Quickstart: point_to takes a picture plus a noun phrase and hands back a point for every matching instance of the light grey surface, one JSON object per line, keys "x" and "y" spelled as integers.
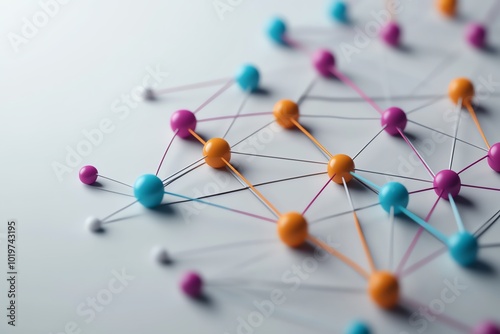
{"x": 67, "y": 78}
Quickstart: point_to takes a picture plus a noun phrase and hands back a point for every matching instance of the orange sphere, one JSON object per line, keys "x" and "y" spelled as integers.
{"x": 341, "y": 166}
{"x": 461, "y": 88}
{"x": 383, "y": 288}
{"x": 214, "y": 150}
{"x": 292, "y": 229}
{"x": 447, "y": 7}
{"x": 284, "y": 111}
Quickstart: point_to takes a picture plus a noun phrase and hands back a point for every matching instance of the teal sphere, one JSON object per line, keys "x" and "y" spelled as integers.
{"x": 276, "y": 30}
{"x": 357, "y": 327}
{"x": 149, "y": 191}
{"x": 393, "y": 194}
{"x": 338, "y": 11}
{"x": 463, "y": 248}
{"x": 248, "y": 78}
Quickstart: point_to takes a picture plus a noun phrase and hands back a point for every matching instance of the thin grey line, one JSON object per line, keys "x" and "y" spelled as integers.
{"x": 340, "y": 117}
{"x": 118, "y": 211}
{"x": 240, "y": 108}
{"x": 114, "y": 192}
{"x": 307, "y": 91}
{"x": 425, "y": 105}
{"x": 280, "y": 158}
{"x": 391, "y": 240}
{"x": 371, "y": 140}
{"x": 342, "y": 213}
{"x": 482, "y": 229}
{"x": 250, "y": 135}
{"x": 246, "y": 187}
{"x": 108, "y": 178}
{"x": 395, "y": 175}
{"x": 183, "y": 169}
{"x": 447, "y": 135}
{"x": 459, "y": 107}
{"x": 181, "y": 175}
{"x": 436, "y": 70}
{"x": 376, "y": 98}
{"x": 257, "y": 196}
{"x": 213, "y": 248}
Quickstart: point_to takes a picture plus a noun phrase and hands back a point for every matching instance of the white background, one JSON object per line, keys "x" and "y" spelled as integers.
{"x": 66, "y": 78}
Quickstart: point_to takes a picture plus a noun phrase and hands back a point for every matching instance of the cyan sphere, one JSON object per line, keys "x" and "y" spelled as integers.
{"x": 463, "y": 248}
{"x": 357, "y": 327}
{"x": 248, "y": 77}
{"x": 149, "y": 191}
{"x": 338, "y": 11}
{"x": 393, "y": 194}
{"x": 276, "y": 30}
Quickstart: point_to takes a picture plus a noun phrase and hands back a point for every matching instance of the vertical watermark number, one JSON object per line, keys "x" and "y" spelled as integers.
{"x": 11, "y": 272}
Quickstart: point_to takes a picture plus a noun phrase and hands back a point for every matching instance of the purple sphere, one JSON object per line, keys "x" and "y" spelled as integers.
{"x": 324, "y": 61}
{"x": 487, "y": 327}
{"x": 475, "y": 34}
{"x": 393, "y": 119}
{"x": 192, "y": 284}
{"x": 182, "y": 121}
{"x": 88, "y": 174}
{"x": 447, "y": 182}
{"x": 391, "y": 33}
{"x": 494, "y": 157}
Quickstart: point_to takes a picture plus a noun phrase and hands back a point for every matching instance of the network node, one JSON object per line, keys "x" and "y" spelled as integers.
{"x": 447, "y": 7}
{"x": 357, "y": 327}
{"x": 192, "y": 284}
{"x": 149, "y": 94}
{"x": 475, "y": 34}
{"x": 463, "y": 248}
{"x": 461, "y": 89}
{"x": 93, "y": 224}
{"x": 215, "y": 150}
{"x": 324, "y": 62}
{"x": 383, "y": 288}
{"x": 494, "y": 157}
{"x": 284, "y": 111}
{"x": 393, "y": 119}
{"x": 88, "y": 174}
{"x": 338, "y": 11}
{"x": 277, "y": 30}
{"x": 341, "y": 166}
{"x": 391, "y": 33}
{"x": 149, "y": 190}
{"x": 292, "y": 229}
{"x": 248, "y": 77}
{"x": 393, "y": 195}
{"x": 487, "y": 327}
{"x": 182, "y": 121}
{"x": 160, "y": 255}
{"x": 447, "y": 182}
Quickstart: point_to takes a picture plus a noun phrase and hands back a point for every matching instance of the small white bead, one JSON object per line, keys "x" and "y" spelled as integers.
{"x": 160, "y": 254}
{"x": 149, "y": 94}
{"x": 93, "y": 224}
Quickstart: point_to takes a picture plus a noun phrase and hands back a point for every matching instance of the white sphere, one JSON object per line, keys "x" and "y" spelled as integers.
{"x": 149, "y": 94}
{"x": 93, "y": 224}
{"x": 160, "y": 254}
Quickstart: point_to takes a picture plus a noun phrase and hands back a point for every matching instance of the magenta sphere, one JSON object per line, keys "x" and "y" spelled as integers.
{"x": 475, "y": 34}
{"x": 192, "y": 284}
{"x": 487, "y": 327}
{"x": 494, "y": 157}
{"x": 324, "y": 61}
{"x": 182, "y": 121}
{"x": 88, "y": 174}
{"x": 447, "y": 182}
{"x": 393, "y": 119}
{"x": 391, "y": 33}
